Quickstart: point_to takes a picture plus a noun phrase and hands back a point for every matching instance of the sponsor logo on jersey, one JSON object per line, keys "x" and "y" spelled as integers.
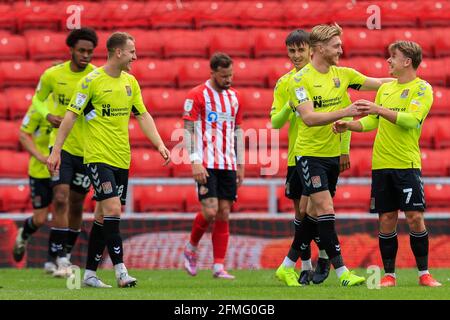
{"x": 188, "y": 105}
{"x": 404, "y": 93}
{"x": 337, "y": 82}
{"x": 212, "y": 116}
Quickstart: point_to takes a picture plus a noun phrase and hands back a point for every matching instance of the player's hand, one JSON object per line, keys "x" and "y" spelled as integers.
{"x": 199, "y": 173}
{"x": 344, "y": 162}
{"x": 53, "y": 163}
{"x": 367, "y": 107}
{"x": 356, "y": 109}
{"x": 240, "y": 175}
{"x": 165, "y": 153}
{"x": 42, "y": 159}
{"x": 340, "y": 126}
{"x": 55, "y": 121}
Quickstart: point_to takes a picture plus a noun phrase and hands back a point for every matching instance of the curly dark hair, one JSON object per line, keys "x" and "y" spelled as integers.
{"x": 81, "y": 34}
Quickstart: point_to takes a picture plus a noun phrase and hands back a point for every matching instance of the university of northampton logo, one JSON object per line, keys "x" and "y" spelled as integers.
{"x": 337, "y": 82}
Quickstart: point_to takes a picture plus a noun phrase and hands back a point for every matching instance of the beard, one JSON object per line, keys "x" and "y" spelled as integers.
{"x": 221, "y": 87}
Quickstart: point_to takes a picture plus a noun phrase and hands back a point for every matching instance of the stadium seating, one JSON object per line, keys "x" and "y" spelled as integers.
{"x": 270, "y": 43}
{"x": 261, "y": 14}
{"x": 185, "y": 43}
{"x": 15, "y": 198}
{"x": 441, "y": 102}
{"x": 155, "y": 73}
{"x": 158, "y": 198}
{"x": 164, "y": 101}
{"x": 433, "y": 164}
{"x": 170, "y": 127}
{"x": 12, "y": 47}
{"x": 13, "y": 164}
{"x": 256, "y": 101}
{"x": 19, "y": 100}
{"x": 251, "y": 199}
{"x": 437, "y": 195}
{"x": 361, "y": 41}
{"x": 47, "y": 45}
{"x": 236, "y": 43}
{"x": 137, "y": 137}
{"x": 9, "y": 139}
{"x": 361, "y": 161}
{"x": 349, "y": 197}
{"x": 4, "y": 108}
{"x": 441, "y": 133}
{"x": 249, "y": 72}
{"x": 147, "y": 163}
{"x": 191, "y": 72}
{"x": 306, "y": 13}
{"x": 20, "y": 73}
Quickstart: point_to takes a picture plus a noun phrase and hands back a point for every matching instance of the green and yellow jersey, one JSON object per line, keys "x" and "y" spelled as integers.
{"x": 106, "y": 104}
{"x": 35, "y": 124}
{"x": 280, "y": 102}
{"x": 328, "y": 93}
{"x": 61, "y": 81}
{"x": 396, "y": 147}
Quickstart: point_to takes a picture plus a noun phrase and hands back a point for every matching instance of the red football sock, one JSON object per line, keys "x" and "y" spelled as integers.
{"x": 198, "y": 228}
{"x": 220, "y": 236}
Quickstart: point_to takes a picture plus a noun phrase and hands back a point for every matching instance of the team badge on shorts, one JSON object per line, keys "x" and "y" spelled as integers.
{"x": 337, "y": 82}
{"x": 404, "y": 93}
{"x": 37, "y": 201}
{"x": 203, "y": 190}
{"x": 316, "y": 182}
{"x": 372, "y": 203}
{"x": 107, "y": 187}
{"x": 128, "y": 90}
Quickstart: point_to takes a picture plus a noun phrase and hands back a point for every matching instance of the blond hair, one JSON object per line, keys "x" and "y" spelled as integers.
{"x": 410, "y": 50}
{"x": 117, "y": 40}
{"x": 323, "y": 33}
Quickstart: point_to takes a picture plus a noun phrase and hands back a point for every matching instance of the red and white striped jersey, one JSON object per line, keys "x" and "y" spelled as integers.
{"x": 215, "y": 115}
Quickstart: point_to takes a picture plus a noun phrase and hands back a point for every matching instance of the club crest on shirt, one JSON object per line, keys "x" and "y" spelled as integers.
{"x": 337, "y": 82}
{"x": 316, "y": 182}
{"x": 80, "y": 99}
{"x": 404, "y": 93}
{"x": 128, "y": 90}
{"x": 188, "y": 104}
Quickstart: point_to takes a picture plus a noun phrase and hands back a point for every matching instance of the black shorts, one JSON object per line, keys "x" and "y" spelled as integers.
{"x": 397, "y": 189}
{"x": 220, "y": 184}
{"x": 318, "y": 174}
{"x": 41, "y": 192}
{"x": 293, "y": 187}
{"x": 108, "y": 181}
{"x": 72, "y": 172}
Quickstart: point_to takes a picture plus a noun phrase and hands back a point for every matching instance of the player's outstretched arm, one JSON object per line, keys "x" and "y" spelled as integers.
{"x": 54, "y": 160}
{"x": 199, "y": 172}
{"x": 311, "y": 118}
{"x": 27, "y": 142}
{"x": 373, "y": 84}
{"x": 148, "y": 126}
{"x": 280, "y": 117}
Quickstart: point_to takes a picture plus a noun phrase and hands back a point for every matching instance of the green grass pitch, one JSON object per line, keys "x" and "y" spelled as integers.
{"x": 28, "y": 284}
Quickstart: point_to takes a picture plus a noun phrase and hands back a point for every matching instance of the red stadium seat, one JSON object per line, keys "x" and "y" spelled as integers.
{"x": 257, "y": 101}
{"x": 420, "y": 36}
{"x": 433, "y": 71}
{"x": 149, "y": 44}
{"x": 441, "y": 102}
{"x": 10, "y": 137}
{"x": 252, "y": 199}
{"x": 147, "y": 163}
{"x": 441, "y": 41}
{"x": 435, "y": 13}
{"x": 235, "y": 43}
{"x": 216, "y": 14}
{"x": 358, "y": 95}
{"x": 433, "y": 164}
{"x": 4, "y": 107}
{"x": 369, "y": 66}
{"x": 170, "y": 127}
{"x": 429, "y": 128}
{"x": 38, "y": 15}
{"x": 442, "y": 132}
{"x": 306, "y": 13}
{"x": 284, "y": 204}
{"x": 270, "y": 43}
{"x": 362, "y": 41}
{"x": 261, "y": 14}
{"x": 278, "y": 68}
{"x": 169, "y": 14}
{"x": 349, "y": 14}
{"x": 192, "y": 72}
{"x": 192, "y": 202}
{"x": 437, "y": 195}
{"x": 89, "y": 203}
{"x": 352, "y": 197}
{"x": 92, "y": 14}
{"x": 20, "y": 73}
{"x": 164, "y": 101}
{"x": 180, "y": 163}
{"x": 12, "y": 47}
{"x": 186, "y": 43}
{"x": 124, "y": 14}
{"x": 19, "y": 100}
{"x": 158, "y": 199}
{"x": 8, "y": 17}
{"x": 400, "y": 13}
{"x": 249, "y": 72}
{"x": 361, "y": 161}
{"x": 47, "y": 45}
{"x": 155, "y": 73}
{"x": 16, "y": 198}
{"x": 13, "y": 164}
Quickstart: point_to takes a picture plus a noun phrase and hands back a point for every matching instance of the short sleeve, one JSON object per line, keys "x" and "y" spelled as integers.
{"x": 44, "y": 87}
{"x": 355, "y": 78}
{"x": 421, "y": 101}
{"x": 30, "y": 121}
{"x": 298, "y": 91}
{"x": 81, "y": 95}
{"x": 138, "y": 106}
{"x": 191, "y": 107}
{"x": 279, "y": 97}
